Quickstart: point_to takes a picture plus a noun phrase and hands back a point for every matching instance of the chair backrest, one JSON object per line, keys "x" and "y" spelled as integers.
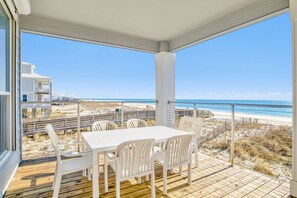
{"x": 135, "y": 157}
{"x": 105, "y": 125}
{"x": 54, "y": 139}
{"x": 178, "y": 150}
{"x": 136, "y": 123}
{"x": 190, "y": 124}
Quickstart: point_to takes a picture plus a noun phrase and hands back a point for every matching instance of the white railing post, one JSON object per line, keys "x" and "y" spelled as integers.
{"x": 195, "y": 111}
{"x": 78, "y": 123}
{"x": 122, "y": 115}
{"x": 293, "y": 14}
{"x": 232, "y": 136}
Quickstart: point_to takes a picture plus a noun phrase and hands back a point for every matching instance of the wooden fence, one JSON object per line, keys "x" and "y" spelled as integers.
{"x": 70, "y": 123}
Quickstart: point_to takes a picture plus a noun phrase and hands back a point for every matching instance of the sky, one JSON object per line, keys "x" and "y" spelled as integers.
{"x": 253, "y": 63}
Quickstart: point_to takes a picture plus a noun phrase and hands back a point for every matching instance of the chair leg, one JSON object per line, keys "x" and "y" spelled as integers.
{"x": 189, "y": 173}
{"x": 153, "y": 186}
{"x": 89, "y": 174}
{"x": 196, "y": 155}
{"x": 105, "y": 174}
{"x": 118, "y": 187}
{"x": 55, "y": 176}
{"x": 57, "y": 184}
{"x": 139, "y": 180}
{"x": 180, "y": 170}
{"x": 147, "y": 178}
{"x": 84, "y": 172}
{"x": 164, "y": 181}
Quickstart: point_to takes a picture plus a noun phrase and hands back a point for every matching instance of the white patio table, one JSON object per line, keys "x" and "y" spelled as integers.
{"x": 100, "y": 142}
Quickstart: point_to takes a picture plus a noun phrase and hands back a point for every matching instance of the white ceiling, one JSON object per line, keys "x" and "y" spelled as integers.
{"x": 143, "y": 24}
{"x": 151, "y": 19}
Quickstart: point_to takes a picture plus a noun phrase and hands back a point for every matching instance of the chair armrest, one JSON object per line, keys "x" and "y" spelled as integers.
{"x": 81, "y": 143}
{"x": 75, "y": 154}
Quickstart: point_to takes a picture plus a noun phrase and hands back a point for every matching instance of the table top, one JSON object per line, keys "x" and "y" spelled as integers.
{"x": 109, "y": 140}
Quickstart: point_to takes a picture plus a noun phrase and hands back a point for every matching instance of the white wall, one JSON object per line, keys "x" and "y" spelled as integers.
{"x": 27, "y": 69}
{"x": 27, "y": 85}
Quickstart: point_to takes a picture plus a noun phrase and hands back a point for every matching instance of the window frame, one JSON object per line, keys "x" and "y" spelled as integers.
{"x": 8, "y": 94}
{"x": 26, "y": 97}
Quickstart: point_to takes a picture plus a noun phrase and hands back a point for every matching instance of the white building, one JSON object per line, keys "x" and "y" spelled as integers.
{"x": 35, "y": 87}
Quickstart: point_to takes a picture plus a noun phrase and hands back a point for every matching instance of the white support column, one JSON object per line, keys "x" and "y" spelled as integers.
{"x": 293, "y": 13}
{"x": 165, "y": 88}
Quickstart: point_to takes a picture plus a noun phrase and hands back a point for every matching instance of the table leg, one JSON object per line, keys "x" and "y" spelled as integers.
{"x": 95, "y": 176}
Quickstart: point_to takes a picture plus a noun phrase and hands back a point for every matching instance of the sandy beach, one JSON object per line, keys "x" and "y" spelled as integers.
{"x": 265, "y": 119}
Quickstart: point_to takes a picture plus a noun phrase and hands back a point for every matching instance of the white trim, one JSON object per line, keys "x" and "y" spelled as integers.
{"x": 23, "y": 6}
{"x": 64, "y": 30}
{"x": 293, "y": 8}
{"x": 255, "y": 13}
{"x": 12, "y": 9}
{"x": 293, "y": 183}
{"x": 8, "y": 93}
{"x": 2, "y": 156}
{"x": 11, "y": 176}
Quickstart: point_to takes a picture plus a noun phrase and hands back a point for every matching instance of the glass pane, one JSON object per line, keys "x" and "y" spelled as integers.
{"x": 3, "y": 126}
{"x": 4, "y": 51}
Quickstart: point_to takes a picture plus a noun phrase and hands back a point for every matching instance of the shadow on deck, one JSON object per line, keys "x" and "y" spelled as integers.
{"x": 213, "y": 178}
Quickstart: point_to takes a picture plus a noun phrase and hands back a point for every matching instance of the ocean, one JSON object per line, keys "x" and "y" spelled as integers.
{"x": 280, "y": 112}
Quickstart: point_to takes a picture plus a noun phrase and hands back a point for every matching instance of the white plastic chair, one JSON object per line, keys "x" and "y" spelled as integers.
{"x": 136, "y": 123}
{"x": 104, "y": 125}
{"x": 192, "y": 125}
{"x": 176, "y": 153}
{"x": 131, "y": 159}
{"x": 80, "y": 161}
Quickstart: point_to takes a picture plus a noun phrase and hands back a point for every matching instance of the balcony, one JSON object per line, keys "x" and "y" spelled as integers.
{"x": 215, "y": 176}
{"x": 174, "y": 25}
{"x": 42, "y": 90}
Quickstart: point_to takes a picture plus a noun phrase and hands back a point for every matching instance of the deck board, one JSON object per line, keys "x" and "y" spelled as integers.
{"x": 213, "y": 178}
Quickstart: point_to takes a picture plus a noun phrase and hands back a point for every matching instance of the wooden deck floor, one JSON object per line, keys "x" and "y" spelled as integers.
{"x": 213, "y": 178}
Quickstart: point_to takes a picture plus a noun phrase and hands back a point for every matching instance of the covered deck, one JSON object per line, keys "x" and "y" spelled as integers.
{"x": 213, "y": 178}
{"x": 161, "y": 28}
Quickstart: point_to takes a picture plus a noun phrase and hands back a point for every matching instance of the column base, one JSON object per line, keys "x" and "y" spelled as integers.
{"x": 293, "y": 188}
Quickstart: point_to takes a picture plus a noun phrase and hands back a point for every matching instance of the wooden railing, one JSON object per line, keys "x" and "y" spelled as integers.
{"x": 71, "y": 123}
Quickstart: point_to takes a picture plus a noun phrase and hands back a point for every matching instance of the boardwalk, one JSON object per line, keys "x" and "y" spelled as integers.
{"x": 213, "y": 178}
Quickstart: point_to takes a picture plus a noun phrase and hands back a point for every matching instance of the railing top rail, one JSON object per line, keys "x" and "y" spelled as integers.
{"x": 232, "y": 104}
{"x": 93, "y": 101}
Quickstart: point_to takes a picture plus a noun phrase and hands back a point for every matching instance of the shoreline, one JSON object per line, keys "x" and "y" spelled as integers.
{"x": 265, "y": 119}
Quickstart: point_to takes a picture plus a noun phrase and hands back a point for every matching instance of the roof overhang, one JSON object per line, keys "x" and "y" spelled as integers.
{"x": 169, "y": 25}
{"x": 36, "y": 77}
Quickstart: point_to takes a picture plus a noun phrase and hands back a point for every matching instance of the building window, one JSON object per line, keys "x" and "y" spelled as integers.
{"x": 25, "y": 98}
{"x": 5, "y": 85}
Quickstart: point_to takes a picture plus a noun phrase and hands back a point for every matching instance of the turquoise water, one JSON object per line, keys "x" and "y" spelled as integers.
{"x": 283, "y": 112}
